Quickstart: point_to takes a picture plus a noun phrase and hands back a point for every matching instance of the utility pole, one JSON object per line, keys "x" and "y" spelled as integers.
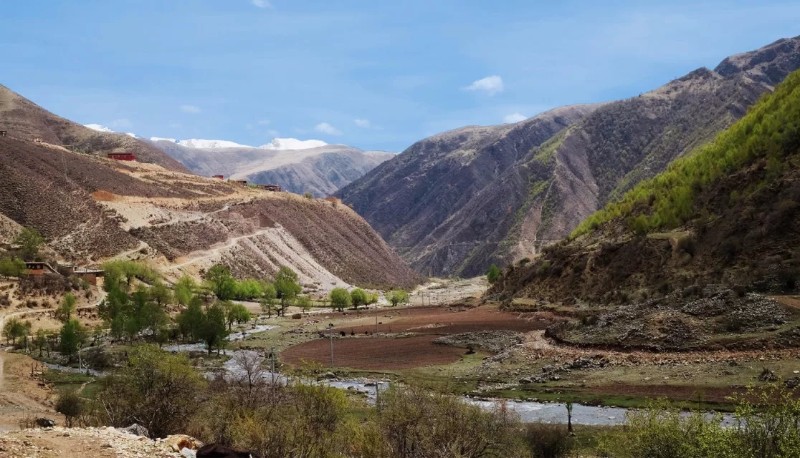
{"x": 272, "y": 364}
{"x": 330, "y": 333}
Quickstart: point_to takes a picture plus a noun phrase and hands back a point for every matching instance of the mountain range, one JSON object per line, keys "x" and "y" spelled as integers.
{"x": 456, "y": 202}
{"x": 298, "y": 166}
{"x": 700, "y": 256}
{"x": 57, "y": 179}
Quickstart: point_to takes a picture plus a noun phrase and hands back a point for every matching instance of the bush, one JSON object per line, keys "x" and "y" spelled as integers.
{"x": 156, "y": 389}
{"x": 493, "y": 273}
{"x": 419, "y": 423}
{"x": 70, "y": 405}
{"x": 548, "y": 441}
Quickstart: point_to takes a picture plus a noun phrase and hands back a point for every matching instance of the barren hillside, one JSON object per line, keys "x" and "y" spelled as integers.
{"x": 458, "y": 201}
{"x": 24, "y": 120}
{"x": 320, "y": 170}
{"x": 91, "y": 208}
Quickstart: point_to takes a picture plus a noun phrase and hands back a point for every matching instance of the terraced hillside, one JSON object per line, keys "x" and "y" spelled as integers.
{"x": 91, "y": 208}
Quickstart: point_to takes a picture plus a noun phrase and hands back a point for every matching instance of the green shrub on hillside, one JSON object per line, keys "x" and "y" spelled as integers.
{"x": 770, "y": 131}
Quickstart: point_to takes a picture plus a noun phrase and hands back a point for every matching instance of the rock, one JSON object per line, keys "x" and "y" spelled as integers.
{"x": 524, "y": 380}
{"x": 767, "y": 376}
{"x": 220, "y": 451}
{"x": 793, "y": 382}
{"x": 137, "y": 430}
{"x": 45, "y": 422}
{"x": 178, "y": 442}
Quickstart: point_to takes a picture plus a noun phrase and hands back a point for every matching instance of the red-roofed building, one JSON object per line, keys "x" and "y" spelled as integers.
{"x": 122, "y": 156}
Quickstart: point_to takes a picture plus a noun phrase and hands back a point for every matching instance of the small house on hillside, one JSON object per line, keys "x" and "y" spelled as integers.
{"x": 90, "y": 276}
{"x": 218, "y": 177}
{"x": 122, "y": 156}
{"x": 241, "y": 182}
{"x": 271, "y": 187}
{"x": 38, "y": 268}
{"x": 3, "y": 133}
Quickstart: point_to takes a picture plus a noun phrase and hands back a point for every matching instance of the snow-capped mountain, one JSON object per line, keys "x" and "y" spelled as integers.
{"x": 298, "y": 166}
{"x": 292, "y": 144}
{"x": 210, "y": 144}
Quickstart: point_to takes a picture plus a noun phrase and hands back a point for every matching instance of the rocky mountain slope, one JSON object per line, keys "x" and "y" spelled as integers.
{"x": 683, "y": 259}
{"x": 297, "y": 166}
{"x": 458, "y": 201}
{"x": 90, "y": 208}
{"x": 24, "y": 120}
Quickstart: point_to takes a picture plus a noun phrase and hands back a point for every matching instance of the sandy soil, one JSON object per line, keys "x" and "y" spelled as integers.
{"x": 21, "y": 394}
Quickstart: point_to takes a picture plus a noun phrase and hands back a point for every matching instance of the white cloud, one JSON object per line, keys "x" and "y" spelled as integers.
{"x": 190, "y": 109}
{"x": 491, "y": 85}
{"x": 514, "y": 117}
{"x": 261, "y": 3}
{"x": 364, "y": 123}
{"x": 325, "y": 128}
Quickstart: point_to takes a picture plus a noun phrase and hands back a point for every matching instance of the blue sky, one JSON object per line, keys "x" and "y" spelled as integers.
{"x": 372, "y": 74}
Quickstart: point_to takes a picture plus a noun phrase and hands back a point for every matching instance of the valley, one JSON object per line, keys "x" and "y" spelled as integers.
{"x": 616, "y": 278}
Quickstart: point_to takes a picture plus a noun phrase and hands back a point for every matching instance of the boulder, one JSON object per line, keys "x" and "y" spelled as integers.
{"x": 137, "y": 430}
{"x": 45, "y": 422}
{"x": 221, "y": 451}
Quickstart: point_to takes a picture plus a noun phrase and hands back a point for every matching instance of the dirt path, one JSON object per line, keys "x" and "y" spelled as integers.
{"x": 21, "y": 394}
{"x": 214, "y": 250}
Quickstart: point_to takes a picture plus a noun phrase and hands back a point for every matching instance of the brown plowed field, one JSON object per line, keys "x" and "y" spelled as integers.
{"x": 373, "y": 353}
{"x": 426, "y": 323}
{"x": 441, "y": 320}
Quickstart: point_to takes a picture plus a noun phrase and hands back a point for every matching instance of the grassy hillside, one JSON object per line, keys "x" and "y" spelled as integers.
{"x": 691, "y": 258}
{"x": 769, "y": 132}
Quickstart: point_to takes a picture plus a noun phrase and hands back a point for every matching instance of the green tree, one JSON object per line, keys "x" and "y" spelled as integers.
{"x": 72, "y": 337}
{"x": 358, "y": 297}
{"x": 398, "y": 296}
{"x": 16, "y": 331}
{"x": 191, "y": 320}
{"x": 160, "y": 294}
{"x": 29, "y": 241}
{"x": 11, "y": 267}
{"x": 236, "y": 313}
{"x": 304, "y": 302}
{"x": 340, "y": 298}
{"x": 221, "y": 282}
{"x": 214, "y": 330}
{"x": 493, "y": 274}
{"x": 67, "y": 308}
{"x": 184, "y": 289}
{"x": 40, "y": 341}
{"x": 286, "y": 287}
{"x": 249, "y": 289}
{"x": 268, "y": 299}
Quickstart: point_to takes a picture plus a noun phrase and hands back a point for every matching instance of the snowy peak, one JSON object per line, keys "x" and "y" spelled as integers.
{"x": 292, "y": 144}
{"x": 211, "y": 144}
{"x": 98, "y": 127}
